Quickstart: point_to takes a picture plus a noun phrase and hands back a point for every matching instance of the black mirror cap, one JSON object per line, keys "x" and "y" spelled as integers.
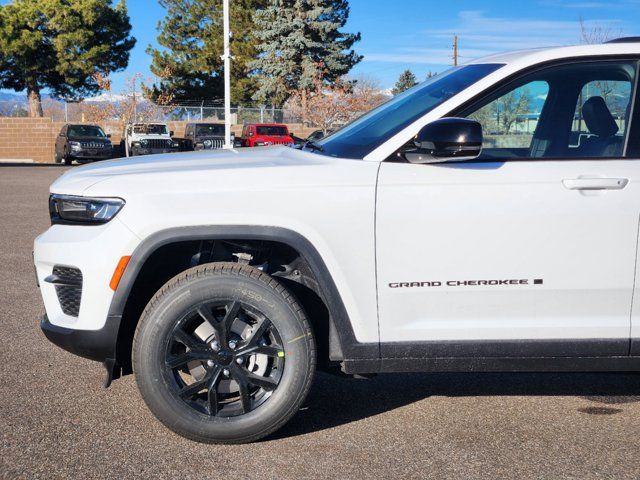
{"x": 171, "y": 133}
{"x": 447, "y": 139}
{"x": 108, "y": 135}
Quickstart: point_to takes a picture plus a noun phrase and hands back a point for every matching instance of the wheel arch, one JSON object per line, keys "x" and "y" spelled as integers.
{"x": 342, "y": 344}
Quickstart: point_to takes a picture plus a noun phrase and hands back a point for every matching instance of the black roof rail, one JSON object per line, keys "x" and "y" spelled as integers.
{"x": 624, "y": 40}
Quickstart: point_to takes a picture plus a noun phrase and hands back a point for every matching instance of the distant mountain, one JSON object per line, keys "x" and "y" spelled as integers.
{"x": 12, "y": 97}
{"x": 8, "y": 96}
{"x": 108, "y": 97}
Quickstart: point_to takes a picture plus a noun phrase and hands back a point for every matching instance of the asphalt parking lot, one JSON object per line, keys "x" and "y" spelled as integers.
{"x": 56, "y": 420}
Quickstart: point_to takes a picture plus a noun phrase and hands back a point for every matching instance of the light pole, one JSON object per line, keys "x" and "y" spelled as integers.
{"x": 227, "y": 76}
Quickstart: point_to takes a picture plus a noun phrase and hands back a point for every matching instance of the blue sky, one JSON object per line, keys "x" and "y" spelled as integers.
{"x": 417, "y": 34}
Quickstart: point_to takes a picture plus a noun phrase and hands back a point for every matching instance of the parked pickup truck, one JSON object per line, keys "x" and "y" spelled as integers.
{"x": 262, "y": 134}
{"x": 147, "y": 139}
{"x": 204, "y": 136}
{"x": 401, "y": 243}
{"x": 82, "y": 143}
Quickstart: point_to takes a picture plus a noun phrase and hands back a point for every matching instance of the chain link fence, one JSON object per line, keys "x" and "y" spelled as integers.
{"x": 130, "y": 109}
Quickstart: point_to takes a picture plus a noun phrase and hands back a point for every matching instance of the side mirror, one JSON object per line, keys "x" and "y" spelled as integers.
{"x": 446, "y": 140}
{"x": 108, "y": 135}
{"x": 171, "y": 133}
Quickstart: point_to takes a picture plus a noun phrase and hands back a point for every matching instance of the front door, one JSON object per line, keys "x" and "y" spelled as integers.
{"x": 531, "y": 251}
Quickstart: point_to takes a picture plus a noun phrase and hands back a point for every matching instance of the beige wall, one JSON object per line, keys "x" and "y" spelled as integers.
{"x": 34, "y": 138}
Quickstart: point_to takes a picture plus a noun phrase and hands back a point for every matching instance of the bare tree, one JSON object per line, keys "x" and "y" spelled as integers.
{"x": 501, "y": 114}
{"x": 512, "y": 106}
{"x": 329, "y": 106}
{"x": 609, "y": 91}
{"x": 594, "y": 34}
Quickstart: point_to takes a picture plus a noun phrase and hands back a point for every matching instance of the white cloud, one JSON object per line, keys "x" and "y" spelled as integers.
{"x": 481, "y": 35}
{"x": 500, "y": 33}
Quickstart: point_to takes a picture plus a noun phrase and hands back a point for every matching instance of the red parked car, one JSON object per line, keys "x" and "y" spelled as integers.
{"x": 261, "y": 134}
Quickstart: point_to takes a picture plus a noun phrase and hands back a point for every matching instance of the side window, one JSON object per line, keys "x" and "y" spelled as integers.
{"x": 577, "y": 110}
{"x": 509, "y": 121}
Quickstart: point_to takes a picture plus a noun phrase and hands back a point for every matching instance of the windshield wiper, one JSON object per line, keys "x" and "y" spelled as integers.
{"x": 312, "y": 145}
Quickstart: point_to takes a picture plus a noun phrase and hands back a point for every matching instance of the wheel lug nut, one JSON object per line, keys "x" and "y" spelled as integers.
{"x": 239, "y": 360}
{"x": 215, "y": 345}
{"x": 225, "y": 372}
{"x": 211, "y": 363}
{"x": 232, "y": 344}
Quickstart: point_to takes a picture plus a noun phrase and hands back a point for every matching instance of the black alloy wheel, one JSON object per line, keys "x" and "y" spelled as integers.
{"x": 223, "y": 353}
{"x": 224, "y": 359}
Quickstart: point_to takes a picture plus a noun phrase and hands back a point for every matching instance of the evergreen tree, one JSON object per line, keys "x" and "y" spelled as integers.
{"x": 192, "y": 41}
{"x": 406, "y": 80}
{"x": 300, "y": 42}
{"x": 61, "y": 45}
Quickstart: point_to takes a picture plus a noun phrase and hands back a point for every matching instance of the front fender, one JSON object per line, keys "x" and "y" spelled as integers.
{"x": 350, "y": 348}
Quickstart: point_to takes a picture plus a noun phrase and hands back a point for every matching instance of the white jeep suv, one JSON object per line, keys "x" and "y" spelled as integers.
{"x": 148, "y": 139}
{"x": 485, "y": 220}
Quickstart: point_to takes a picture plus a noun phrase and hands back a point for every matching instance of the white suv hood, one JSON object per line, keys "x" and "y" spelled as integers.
{"x": 204, "y": 169}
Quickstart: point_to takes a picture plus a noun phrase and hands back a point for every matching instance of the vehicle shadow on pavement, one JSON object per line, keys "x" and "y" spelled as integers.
{"x": 334, "y": 401}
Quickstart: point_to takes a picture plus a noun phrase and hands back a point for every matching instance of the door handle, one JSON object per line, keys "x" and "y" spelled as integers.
{"x": 595, "y": 183}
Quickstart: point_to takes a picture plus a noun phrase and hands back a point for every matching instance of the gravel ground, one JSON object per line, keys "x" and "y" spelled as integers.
{"x": 56, "y": 420}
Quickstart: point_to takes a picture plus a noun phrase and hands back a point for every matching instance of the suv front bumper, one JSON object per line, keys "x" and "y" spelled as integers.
{"x": 135, "y": 151}
{"x": 98, "y": 345}
{"x": 94, "y": 251}
{"x": 86, "y": 155}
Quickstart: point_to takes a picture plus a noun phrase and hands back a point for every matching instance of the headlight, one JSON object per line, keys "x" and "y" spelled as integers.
{"x": 70, "y": 210}
{"x": 208, "y": 143}
{"x": 75, "y": 145}
{"x": 143, "y": 143}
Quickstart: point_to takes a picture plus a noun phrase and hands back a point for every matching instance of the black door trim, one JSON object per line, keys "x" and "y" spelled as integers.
{"x": 533, "y": 348}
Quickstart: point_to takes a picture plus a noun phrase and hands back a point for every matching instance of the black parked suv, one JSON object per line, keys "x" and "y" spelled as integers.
{"x": 82, "y": 143}
{"x": 204, "y": 136}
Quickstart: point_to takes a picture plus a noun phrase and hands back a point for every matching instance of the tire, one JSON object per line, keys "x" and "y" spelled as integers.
{"x": 256, "y": 312}
{"x": 67, "y": 160}
{"x": 56, "y": 158}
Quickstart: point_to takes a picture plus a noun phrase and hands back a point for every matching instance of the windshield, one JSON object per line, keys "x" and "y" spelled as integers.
{"x": 273, "y": 130}
{"x": 210, "y": 129}
{"x": 85, "y": 131}
{"x": 360, "y": 137}
{"x": 151, "y": 128}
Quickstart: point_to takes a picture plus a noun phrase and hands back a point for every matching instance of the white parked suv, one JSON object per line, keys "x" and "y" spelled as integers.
{"x": 485, "y": 220}
{"x": 148, "y": 139}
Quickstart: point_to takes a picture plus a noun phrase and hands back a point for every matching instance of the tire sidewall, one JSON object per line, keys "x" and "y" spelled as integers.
{"x": 173, "y": 304}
